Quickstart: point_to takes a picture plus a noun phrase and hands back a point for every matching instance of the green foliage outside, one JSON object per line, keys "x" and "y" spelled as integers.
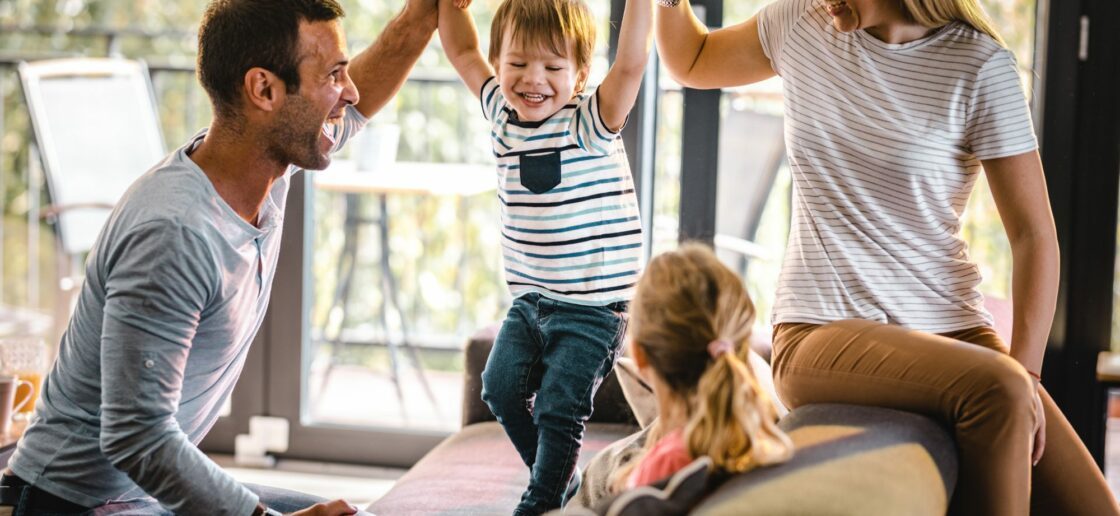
{"x": 444, "y": 250}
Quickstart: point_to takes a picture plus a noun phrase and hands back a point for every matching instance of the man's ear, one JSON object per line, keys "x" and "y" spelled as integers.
{"x": 264, "y": 89}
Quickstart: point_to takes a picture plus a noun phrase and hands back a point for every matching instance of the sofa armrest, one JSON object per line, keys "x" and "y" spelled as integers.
{"x": 610, "y": 405}
{"x": 474, "y": 361}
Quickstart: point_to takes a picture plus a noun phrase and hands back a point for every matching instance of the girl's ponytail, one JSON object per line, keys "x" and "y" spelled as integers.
{"x": 734, "y": 419}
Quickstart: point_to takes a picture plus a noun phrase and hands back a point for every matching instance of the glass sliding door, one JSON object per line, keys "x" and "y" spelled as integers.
{"x": 391, "y": 260}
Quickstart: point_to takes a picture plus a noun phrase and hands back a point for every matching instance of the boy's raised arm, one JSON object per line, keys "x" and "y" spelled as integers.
{"x": 459, "y": 37}
{"x": 620, "y": 88}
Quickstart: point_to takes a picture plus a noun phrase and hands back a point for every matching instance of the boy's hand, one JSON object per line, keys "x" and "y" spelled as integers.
{"x": 459, "y": 37}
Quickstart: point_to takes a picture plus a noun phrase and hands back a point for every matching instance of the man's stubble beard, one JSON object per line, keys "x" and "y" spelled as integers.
{"x": 294, "y": 138}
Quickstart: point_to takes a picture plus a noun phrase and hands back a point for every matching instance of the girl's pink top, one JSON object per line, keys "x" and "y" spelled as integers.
{"x": 666, "y": 457}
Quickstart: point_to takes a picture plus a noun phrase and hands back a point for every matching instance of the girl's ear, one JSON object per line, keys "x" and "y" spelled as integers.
{"x": 639, "y": 355}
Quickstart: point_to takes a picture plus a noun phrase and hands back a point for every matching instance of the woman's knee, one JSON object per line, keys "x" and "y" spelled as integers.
{"x": 1005, "y": 385}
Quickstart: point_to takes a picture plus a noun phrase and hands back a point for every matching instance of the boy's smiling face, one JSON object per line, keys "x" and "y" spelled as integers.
{"x": 536, "y": 81}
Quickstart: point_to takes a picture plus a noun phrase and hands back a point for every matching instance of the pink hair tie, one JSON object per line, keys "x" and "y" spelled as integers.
{"x": 719, "y": 347}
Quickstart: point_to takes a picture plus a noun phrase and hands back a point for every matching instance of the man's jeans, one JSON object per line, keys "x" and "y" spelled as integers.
{"x": 282, "y": 500}
{"x": 548, "y": 360}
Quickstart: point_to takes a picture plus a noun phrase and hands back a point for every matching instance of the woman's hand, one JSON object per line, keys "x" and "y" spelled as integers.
{"x": 1040, "y": 425}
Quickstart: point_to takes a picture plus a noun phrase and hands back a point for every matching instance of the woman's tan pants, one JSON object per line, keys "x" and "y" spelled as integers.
{"x": 965, "y": 379}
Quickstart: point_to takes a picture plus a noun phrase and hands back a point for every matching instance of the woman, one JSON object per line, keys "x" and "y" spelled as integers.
{"x": 893, "y": 107}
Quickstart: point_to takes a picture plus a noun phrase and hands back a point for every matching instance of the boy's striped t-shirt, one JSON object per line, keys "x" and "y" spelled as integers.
{"x": 570, "y": 222}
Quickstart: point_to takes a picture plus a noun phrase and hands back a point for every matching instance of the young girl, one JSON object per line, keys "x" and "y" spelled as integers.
{"x": 571, "y": 232}
{"x": 689, "y": 325}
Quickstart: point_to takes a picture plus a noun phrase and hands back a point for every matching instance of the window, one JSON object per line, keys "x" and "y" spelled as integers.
{"x": 401, "y": 264}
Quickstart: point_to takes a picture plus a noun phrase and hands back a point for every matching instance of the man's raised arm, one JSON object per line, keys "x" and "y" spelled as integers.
{"x": 380, "y": 70}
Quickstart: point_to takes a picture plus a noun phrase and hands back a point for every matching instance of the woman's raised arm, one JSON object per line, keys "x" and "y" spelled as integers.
{"x": 697, "y": 58}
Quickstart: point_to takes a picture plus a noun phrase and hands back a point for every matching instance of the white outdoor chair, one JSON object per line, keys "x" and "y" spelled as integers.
{"x": 96, "y": 130}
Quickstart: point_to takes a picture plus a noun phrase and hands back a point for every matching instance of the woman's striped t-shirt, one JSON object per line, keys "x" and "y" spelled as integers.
{"x": 885, "y": 142}
{"x": 570, "y": 221}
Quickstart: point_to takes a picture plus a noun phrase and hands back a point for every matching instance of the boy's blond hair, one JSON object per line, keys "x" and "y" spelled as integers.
{"x": 549, "y": 24}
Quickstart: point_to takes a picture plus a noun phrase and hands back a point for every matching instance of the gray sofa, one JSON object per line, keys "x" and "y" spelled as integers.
{"x": 849, "y": 461}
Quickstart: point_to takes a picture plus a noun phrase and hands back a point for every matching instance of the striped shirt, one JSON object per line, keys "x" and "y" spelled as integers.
{"x": 570, "y": 222}
{"x": 885, "y": 142}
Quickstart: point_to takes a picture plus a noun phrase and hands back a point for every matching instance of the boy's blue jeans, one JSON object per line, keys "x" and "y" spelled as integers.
{"x": 548, "y": 360}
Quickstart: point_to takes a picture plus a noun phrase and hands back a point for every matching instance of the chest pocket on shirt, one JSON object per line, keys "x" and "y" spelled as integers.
{"x": 540, "y": 172}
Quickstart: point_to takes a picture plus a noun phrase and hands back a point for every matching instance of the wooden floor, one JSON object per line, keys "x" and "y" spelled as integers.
{"x": 359, "y": 485}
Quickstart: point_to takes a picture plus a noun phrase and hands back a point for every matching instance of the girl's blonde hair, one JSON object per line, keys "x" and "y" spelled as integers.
{"x": 686, "y": 300}
{"x": 549, "y": 24}
{"x": 937, "y": 13}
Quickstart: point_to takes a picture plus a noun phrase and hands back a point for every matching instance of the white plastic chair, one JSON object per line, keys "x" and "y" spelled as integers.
{"x": 96, "y": 129}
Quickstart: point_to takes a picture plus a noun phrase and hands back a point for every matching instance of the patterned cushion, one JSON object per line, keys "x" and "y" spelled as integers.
{"x": 676, "y": 495}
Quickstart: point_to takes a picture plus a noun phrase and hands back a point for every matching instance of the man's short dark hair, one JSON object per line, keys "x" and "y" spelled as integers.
{"x": 237, "y": 35}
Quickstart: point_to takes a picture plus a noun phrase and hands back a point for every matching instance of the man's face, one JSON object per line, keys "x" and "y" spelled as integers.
{"x": 300, "y": 130}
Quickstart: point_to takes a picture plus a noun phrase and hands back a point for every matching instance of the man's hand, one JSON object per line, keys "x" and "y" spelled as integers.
{"x": 332, "y": 508}
{"x": 421, "y": 8}
{"x": 380, "y": 70}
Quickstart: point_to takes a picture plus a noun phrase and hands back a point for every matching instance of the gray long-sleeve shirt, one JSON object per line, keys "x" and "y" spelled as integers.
{"x": 176, "y": 287}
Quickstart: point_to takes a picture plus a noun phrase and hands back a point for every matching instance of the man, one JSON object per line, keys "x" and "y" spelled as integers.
{"x": 179, "y": 280}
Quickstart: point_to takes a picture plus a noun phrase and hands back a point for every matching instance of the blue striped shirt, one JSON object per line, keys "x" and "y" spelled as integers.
{"x": 571, "y": 229}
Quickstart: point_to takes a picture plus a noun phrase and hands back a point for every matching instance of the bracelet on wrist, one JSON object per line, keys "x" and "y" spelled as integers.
{"x": 668, "y": 3}
{"x": 1035, "y": 375}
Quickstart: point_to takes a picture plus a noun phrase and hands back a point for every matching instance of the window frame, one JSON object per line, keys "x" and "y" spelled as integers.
{"x": 1079, "y": 128}
{"x": 1081, "y": 155}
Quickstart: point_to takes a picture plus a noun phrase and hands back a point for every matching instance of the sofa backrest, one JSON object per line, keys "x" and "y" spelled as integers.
{"x": 610, "y": 405}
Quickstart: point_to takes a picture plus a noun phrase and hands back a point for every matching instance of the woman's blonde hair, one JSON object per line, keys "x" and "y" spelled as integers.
{"x": 685, "y": 301}
{"x": 937, "y": 13}
{"x": 549, "y": 24}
